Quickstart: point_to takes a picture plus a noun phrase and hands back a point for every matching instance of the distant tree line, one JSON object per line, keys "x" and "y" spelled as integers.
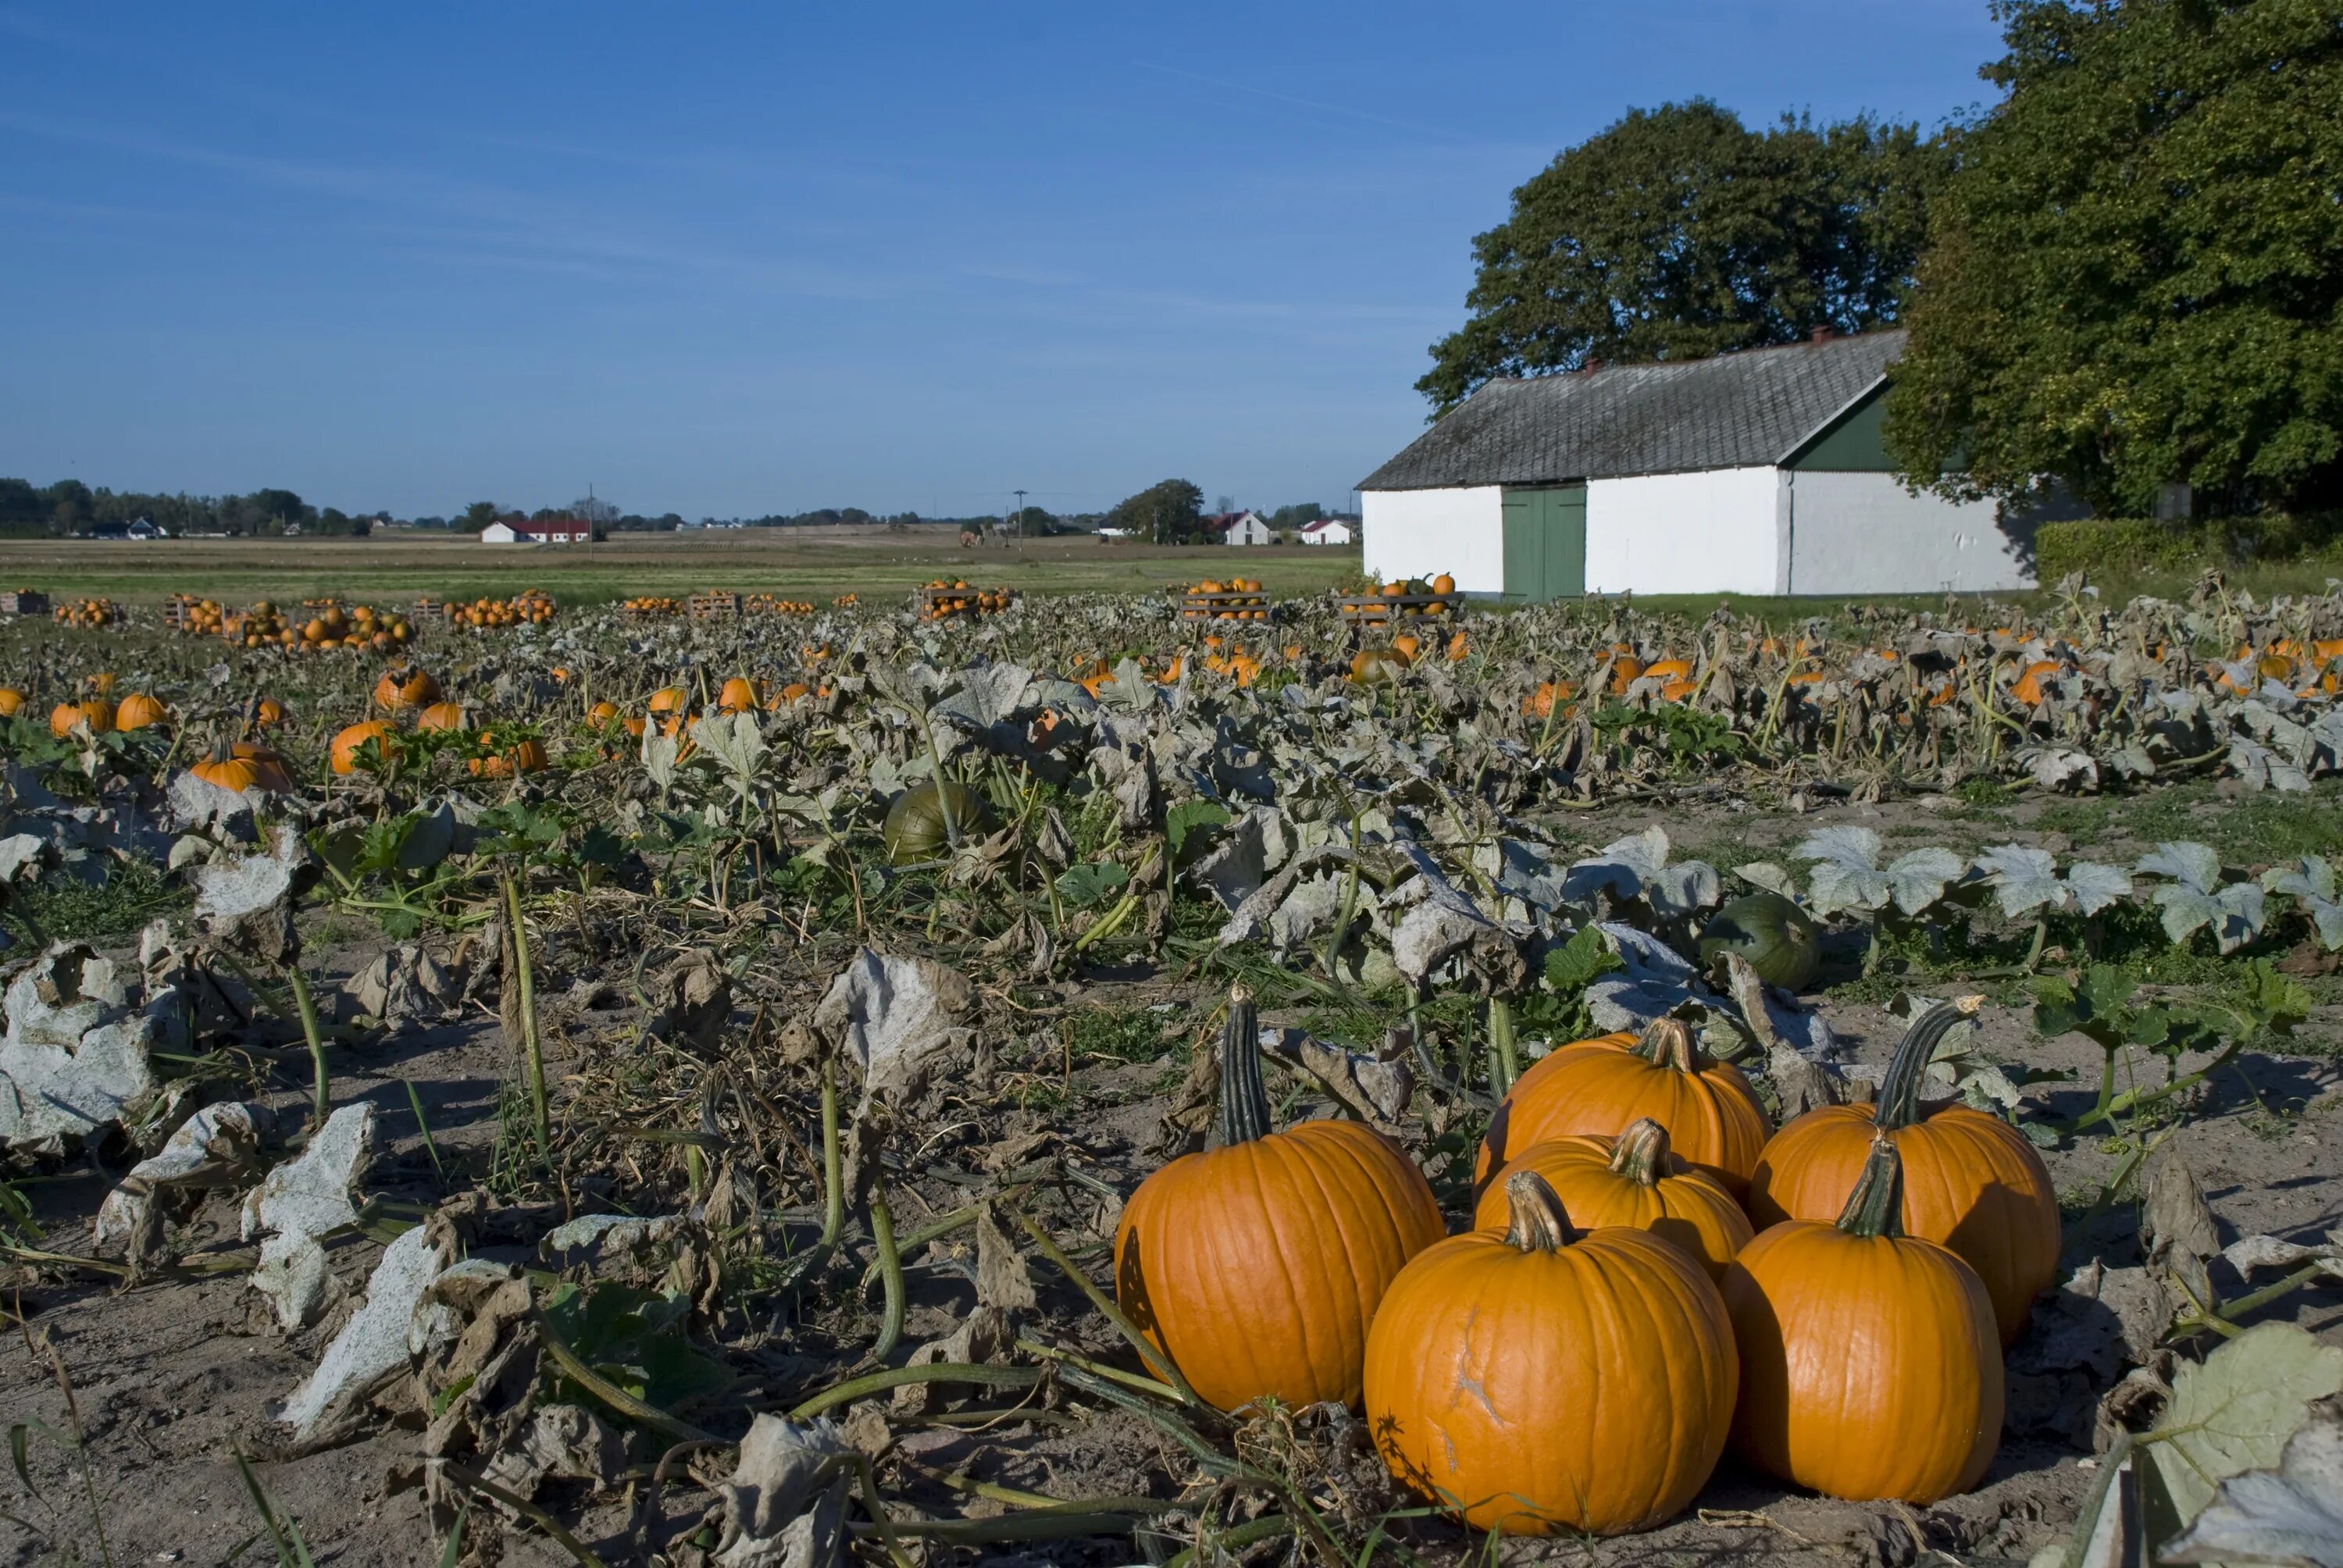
{"x": 2125, "y": 276}
{"x": 69, "y": 507}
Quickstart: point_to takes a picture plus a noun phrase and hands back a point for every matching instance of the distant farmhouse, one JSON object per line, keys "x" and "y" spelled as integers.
{"x": 1330, "y": 531}
{"x": 519, "y": 530}
{"x": 1760, "y": 472}
{"x": 1240, "y": 528}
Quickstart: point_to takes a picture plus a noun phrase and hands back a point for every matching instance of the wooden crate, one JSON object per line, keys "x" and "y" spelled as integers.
{"x": 427, "y": 609}
{"x": 714, "y": 606}
{"x": 177, "y": 609}
{"x": 1394, "y": 611}
{"x": 22, "y": 601}
{"x": 939, "y": 603}
{"x": 1226, "y": 605}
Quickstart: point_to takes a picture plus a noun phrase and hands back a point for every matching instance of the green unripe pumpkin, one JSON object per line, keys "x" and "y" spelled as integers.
{"x": 1777, "y": 938}
{"x": 915, "y": 825}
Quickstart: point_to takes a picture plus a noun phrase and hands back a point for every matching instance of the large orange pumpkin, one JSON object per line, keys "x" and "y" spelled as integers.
{"x": 1634, "y": 1180}
{"x": 1257, "y": 1266}
{"x": 400, "y": 689}
{"x": 11, "y": 700}
{"x": 97, "y": 715}
{"x": 1971, "y": 1180}
{"x": 1599, "y": 1086}
{"x": 447, "y": 715}
{"x": 344, "y": 757}
{"x": 1870, "y": 1368}
{"x": 1536, "y": 1380}
{"x": 137, "y": 711}
{"x": 738, "y": 695}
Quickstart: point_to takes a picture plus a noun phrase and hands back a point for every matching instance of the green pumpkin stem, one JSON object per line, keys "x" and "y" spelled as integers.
{"x": 1536, "y": 1222}
{"x": 1641, "y": 1152}
{"x": 1876, "y": 1207}
{"x": 1668, "y": 1042}
{"x": 1244, "y": 1102}
{"x": 1907, "y": 1070}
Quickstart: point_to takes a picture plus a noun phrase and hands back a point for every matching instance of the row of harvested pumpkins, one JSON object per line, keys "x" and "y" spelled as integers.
{"x": 88, "y": 614}
{"x": 1650, "y": 1277}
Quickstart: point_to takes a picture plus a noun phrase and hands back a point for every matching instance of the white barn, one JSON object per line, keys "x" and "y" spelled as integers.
{"x": 1327, "y": 531}
{"x": 1760, "y": 472}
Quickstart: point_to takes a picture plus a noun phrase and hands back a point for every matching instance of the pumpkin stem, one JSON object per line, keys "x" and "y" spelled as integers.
{"x": 1899, "y": 1089}
{"x": 1244, "y": 1103}
{"x": 1537, "y": 1224}
{"x": 1668, "y": 1042}
{"x": 1642, "y": 1151}
{"x": 1876, "y": 1207}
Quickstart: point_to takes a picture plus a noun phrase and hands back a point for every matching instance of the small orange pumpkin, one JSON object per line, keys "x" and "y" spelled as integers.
{"x": 1973, "y": 1183}
{"x": 11, "y": 700}
{"x": 520, "y": 756}
{"x": 1537, "y": 1380}
{"x": 241, "y": 768}
{"x": 96, "y": 715}
{"x": 1634, "y": 1180}
{"x": 402, "y": 688}
{"x": 139, "y": 711}
{"x": 441, "y": 716}
{"x": 344, "y": 755}
{"x": 1257, "y": 1266}
{"x": 1870, "y": 1367}
{"x": 738, "y": 695}
{"x": 1599, "y": 1086}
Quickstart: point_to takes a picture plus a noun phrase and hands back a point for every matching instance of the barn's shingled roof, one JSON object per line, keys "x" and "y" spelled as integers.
{"x": 1734, "y": 411}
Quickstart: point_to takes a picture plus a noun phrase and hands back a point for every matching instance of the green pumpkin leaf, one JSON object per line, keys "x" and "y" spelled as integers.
{"x": 1191, "y": 817}
{"x": 1086, "y": 886}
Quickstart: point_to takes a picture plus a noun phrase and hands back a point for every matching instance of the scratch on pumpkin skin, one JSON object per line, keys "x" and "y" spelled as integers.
{"x": 1472, "y": 1386}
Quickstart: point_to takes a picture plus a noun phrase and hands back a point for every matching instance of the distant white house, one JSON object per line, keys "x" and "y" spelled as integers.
{"x": 517, "y": 531}
{"x": 1330, "y": 531}
{"x": 1246, "y": 528}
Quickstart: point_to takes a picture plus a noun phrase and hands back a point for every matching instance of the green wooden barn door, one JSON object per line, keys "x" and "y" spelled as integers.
{"x": 1545, "y": 543}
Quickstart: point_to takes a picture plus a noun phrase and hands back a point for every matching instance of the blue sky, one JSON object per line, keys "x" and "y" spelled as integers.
{"x": 738, "y": 259}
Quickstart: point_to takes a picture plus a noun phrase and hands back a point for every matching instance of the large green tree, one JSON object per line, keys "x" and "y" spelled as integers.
{"x": 2135, "y": 277}
{"x": 1171, "y": 513}
{"x": 1680, "y": 232}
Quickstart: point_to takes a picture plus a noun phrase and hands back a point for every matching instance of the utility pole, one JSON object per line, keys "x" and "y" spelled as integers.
{"x": 1017, "y": 528}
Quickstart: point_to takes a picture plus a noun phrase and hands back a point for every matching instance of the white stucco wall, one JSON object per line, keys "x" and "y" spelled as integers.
{"x": 1422, "y": 533}
{"x": 1862, "y": 533}
{"x": 1716, "y": 531}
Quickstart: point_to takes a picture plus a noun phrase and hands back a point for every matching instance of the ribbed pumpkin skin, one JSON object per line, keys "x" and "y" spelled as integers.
{"x": 1689, "y": 1207}
{"x": 67, "y": 717}
{"x": 1258, "y": 1267}
{"x": 1597, "y": 1086}
{"x": 344, "y": 755}
{"x": 1587, "y": 1389}
{"x": 1870, "y": 1364}
{"x": 139, "y": 711}
{"x": 1971, "y": 1183}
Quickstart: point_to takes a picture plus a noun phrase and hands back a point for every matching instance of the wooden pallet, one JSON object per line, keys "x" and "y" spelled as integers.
{"x": 1387, "y": 610}
{"x": 22, "y": 601}
{"x": 714, "y": 606}
{"x": 429, "y": 609}
{"x": 1226, "y": 605}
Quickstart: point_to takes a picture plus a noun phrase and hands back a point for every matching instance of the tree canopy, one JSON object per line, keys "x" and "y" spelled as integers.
{"x": 1679, "y": 233}
{"x": 1171, "y": 513}
{"x": 2136, "y": 277}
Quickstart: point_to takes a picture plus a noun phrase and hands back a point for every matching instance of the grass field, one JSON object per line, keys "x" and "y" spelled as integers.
{"x": 815, "y": 564}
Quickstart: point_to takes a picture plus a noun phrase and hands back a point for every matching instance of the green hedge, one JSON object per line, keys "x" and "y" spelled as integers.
{"x": 2114, "y": 547}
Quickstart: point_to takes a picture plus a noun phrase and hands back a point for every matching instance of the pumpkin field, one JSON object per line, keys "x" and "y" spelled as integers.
{"x": 950, "y": 1073}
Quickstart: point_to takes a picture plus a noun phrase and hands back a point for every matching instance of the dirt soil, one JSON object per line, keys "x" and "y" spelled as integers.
{"x": 166, "y": 1381}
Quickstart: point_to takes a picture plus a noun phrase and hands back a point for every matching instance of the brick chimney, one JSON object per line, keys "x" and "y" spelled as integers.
{"x": 1821, "y": 335}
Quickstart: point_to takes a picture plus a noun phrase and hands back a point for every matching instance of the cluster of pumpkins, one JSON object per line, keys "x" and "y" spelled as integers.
{"x": 1418, "y": 587}
{"x": 1651, "y": 1277}
{"x": 89, "y": 613}
{"x": 239, "y": 766}
{"x": 1383, "y": 664}
{"x": 408, "y": 693}
{"x": 319, "y": 626}
{"x": 1226, "y": 605}
{"x": 773, "y": 604}
{"x": 97, "y": 714}
{"x": 650, "y": 607}
{"x": 940, "y": 600}
{"x": 533, "y": 607}
{"x": 2308, "y": 669}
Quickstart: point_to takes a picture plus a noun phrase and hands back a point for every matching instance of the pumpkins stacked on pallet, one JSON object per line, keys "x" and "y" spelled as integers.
{"x": 533, "y": 607}
{"x": 774, "y": 604}
{"x": 940, "y": 600}
{"x": 649, "y": 607}
{"x": 1637, "y": 1235}
{"x": 89, "y": 614}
